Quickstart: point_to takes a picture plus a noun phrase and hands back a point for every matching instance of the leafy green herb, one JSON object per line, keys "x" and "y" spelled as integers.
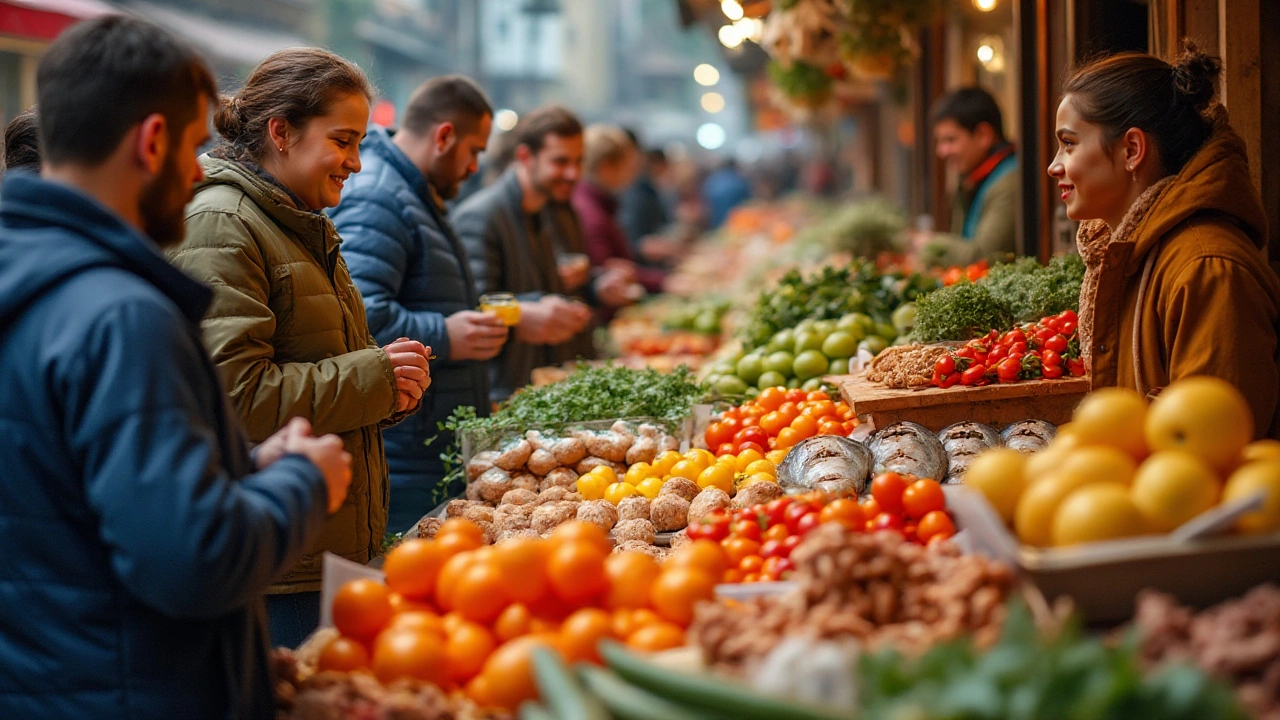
{"x": 1026, "y": 675}
{"x": 960, "y": 312}
{"x": 1033, "y": 291}
{"x": 390, "y": 540}
{"x": 799, "y": 79}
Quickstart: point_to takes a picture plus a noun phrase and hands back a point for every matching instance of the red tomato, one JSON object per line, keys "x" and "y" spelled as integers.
{"x": 790, "y": 544}
{"x": 756, "y": 435}
{"x": 1057, "y": 343}
{"x": 923, "y": 497}
{"x": 887, "y": 489}
{"x": 696, "y": 531}
{"x": 1076, "y": 367}
{"x": 974, "y": 375}
{"x": 807, "y": 523}
{"x": 1068, "y": 314}
{"x": 784, "y": 566}
{"x": 776, "y": 510}
{"x": 750, "y": 446}
{"x": 887, "y": 521}
{"x": 817, "y": 396}
{"x": 967, "y": 352}
{"x": 1044, "y": 335}
{"x": 1067, "y": 327}
{"x": 997, "y": 354}
{"x": 773, "y": 422}
{"x": 778, "y": 532}
{"x": 749, "y": 529}
{"x": 796, "y": 396}
{"x": 1051, "y": 372}
{"x": 772, "y": 549}
{"x": 719, "y": 433}
{"x": 1051, "y": 357}
{"x": 935, "y": 524}
{"x": 945, "y": 365}
{"x": 1009, "y": 369}
{"x": 796, "y": 511}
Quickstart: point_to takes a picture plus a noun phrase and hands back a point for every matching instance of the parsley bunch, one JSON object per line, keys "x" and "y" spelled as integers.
{"x": 1016, "y": 292}
{"x": 960, "y": 312}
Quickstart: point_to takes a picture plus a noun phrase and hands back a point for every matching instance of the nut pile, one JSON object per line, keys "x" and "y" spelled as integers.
{"x": 1238, "y": 641}
{"x": 906, "y": 366}
{"x": 874, "y": 588}
{"x": 336, "y": 696}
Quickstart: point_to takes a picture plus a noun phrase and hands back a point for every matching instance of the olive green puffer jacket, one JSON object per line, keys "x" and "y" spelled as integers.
{"x": 287, "y": 331}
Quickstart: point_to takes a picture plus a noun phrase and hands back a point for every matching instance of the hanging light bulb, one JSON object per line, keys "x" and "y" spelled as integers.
{"x": 985, "y": 5}
{"x": 732, "y": 9}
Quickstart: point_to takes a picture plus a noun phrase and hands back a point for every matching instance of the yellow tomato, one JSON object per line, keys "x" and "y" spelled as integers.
{"x": 761, "y": 467}
{"x": 637, "y": 472}
{"x": 747, "y": 458}
{"x": 650, "y": 487}
{"x": 756, "y": 479}
{"x": 776, "y": 456}
{"x": 686, "y": 469}
{"x": 605, "y": 473}
{"x": 591, "y": 487}
{"x": 616, "y": 492}
{"x": 663, "y": 463}
{"x": 719, "y": 476}
{"x": 698, "y": 456}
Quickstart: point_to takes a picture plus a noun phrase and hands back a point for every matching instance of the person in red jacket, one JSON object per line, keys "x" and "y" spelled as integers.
{"x": 610, "y": 162}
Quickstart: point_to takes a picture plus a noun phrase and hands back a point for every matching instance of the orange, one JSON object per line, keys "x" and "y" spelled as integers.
{"x": 778, "y": 532}
{"x": 508, "y": 673}
{"x": 461, "y": 526}
{"x": 412, "y": 566}
{"x": 737, "y": 548}
{"x": 582, "y": 632}
{"x": 447, "y": 580}
{"x": 788, "y": 437}
{"x": 479, "y": 595}
{"x": 478, "y": 691}
{"x": 457, "y": 542}
{"x": 410, "y": 654}
{"x": 400, "y": 603}
{"x": 466, "y": 650}
{"x": 623, "y": 624}
{"x": 751, "y": 564}
{"x": 452, "y": 622}
{"x": 656, "y": 637}
{"x": 577, "y": 530}
{"x": 644, "y": 617}
{"x": 805, "y": 426}
{"x": 706, "y": 555}
{"x": 576, "y": 572}
{"x": 630, "y": 575}
{"x": 845, "y": 511}
{"x": 513, "y": 622}
{"x": 678, "y": 590}
{"x": 523, "y": 563}
{"x": 361, "y": 608}
{"x": 418, "y": 620}
{"x": 343, "y": 654}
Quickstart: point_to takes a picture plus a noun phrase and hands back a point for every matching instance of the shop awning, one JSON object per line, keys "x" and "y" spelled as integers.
{"x": 44, "y": 19}
{"x": 220, "y": 41}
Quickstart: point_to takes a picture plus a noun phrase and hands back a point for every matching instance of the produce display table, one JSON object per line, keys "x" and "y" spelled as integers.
{"x": 935, "y": 408}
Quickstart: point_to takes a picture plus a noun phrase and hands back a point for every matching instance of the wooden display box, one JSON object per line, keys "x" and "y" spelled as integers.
{"x": 935, "y": 408}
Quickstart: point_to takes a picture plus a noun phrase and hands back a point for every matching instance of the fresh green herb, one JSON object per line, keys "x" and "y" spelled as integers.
{"x": 390, "y": 540}
{"x": 1033, "y": 291}
{"x": 960, "y": 312}
{"x": 864, "y": 229}
{"x": 1027, "y": 675}
{"x": 799, "y": 79}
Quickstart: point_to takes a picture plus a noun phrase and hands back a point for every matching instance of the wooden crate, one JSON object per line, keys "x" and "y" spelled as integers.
{"x": 935, "y": 408}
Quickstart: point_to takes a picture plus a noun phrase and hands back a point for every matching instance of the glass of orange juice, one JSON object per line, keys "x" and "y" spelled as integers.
{"x": 504, "y": 305}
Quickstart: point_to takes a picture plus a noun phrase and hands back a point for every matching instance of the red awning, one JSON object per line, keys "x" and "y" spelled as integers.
{"x": 44, "y": 19}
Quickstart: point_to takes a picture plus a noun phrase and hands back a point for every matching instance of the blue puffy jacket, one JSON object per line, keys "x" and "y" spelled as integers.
{"x": 413, "y": 272}
{"x": 135, "y": 540}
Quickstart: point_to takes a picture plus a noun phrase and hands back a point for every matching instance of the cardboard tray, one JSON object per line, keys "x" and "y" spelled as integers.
{"x": 935, "y": 408}
{"x": 1103, "y": 579}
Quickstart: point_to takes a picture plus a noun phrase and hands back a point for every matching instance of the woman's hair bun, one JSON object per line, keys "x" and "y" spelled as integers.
{"x": 1195, "y": 76}
{"x": 228, "y": 119}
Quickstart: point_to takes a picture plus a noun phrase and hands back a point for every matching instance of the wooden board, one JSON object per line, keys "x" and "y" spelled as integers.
{"x": 935, "y": 408}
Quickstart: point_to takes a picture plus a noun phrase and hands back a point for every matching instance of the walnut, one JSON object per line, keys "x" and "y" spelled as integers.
{"x": 550, "y": 515}
{"x": 601, "y": 513}
{"x": 669, "y": 512}
{"x": 480, "y": 464}
{"x": 757, "y": 494}
{"x": 519, "y": 496}
{"x": 560, "y": 477}
{"x": 684, "y": 487}
{"x": 428, "y": 526}
{"x": 708, "y": 500}
{"x": 635, "y": 507}
{"x": 641, "y": 530}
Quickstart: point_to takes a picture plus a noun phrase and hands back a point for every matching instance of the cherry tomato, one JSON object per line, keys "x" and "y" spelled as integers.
{"x": 751, "y": 445}
{"x": 909, "y": 530}
{"x": 844, "y": 511}
{"x": 784, "y": 566}
{"x": 772, "y": 549}
{"x": 770, "y": 569}
{"x": 807, "y": 523}
{"x": 726, "y": 449}
{"x": 796, "y": 396}
{"x": 714, "y": 526}
{"x": 1067, "y": 327}
{"x": 777, "y": 532}
{"x": 1057, "y": 343}
{"x": 771, "y": 398}
{"x": 750, "y": 421}
{"x": 923, "y": 497}
{"x": 756, "y": 435}
{"x": 887, "y": 489}
{"x": 817, "y": 396}
{"x": 1009, "y": 369}
{"x": 935, "y": 524}
{"x": 790, "y": 544}
{"x": 751, "y": 564}
{"x": 749, "y": 529}
{"x": 794, "y": 513}
{"x": 1076, "y": 367}
{"x": 720, "y": 432}
{"x": 790, "y": 411}
{"x": 1051, "y": 372}
{"x": 887, "y": 521}
{"x": 776, "y": 510}
{"x": 975, "y": 375}
{"x": 945, "y": 365}
{"x": 773, "y": 422}
{"x": 806, "y": 426}
{"x": 870, "y": 508}
{"x": 696, "y": 531}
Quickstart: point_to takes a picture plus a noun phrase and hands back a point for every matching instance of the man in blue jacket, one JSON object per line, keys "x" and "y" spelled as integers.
{"x": 413, "y": 271}
{"x": 137, "y": 533}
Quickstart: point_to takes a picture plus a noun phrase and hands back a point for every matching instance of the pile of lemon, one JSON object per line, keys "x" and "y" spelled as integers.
{"x": 1122, "y": 468}
{"x": 727, "y": 472}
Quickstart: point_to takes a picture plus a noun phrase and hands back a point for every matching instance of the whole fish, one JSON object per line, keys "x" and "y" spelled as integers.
{"x": 827, "y": 462}
{"x": 909, "y": 449}
{"x": 965, "y": 441}
{"x": 1029, "y": 436}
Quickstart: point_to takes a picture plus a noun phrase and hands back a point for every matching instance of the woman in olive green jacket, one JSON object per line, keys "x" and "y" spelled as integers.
{"x": 287, "y": 326}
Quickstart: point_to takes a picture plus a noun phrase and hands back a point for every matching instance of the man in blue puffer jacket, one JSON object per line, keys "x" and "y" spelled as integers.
{"x": 137, "y": 533}
{"x": 413, "y": 271}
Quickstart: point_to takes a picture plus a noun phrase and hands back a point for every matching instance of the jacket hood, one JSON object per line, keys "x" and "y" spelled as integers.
{"x": 1215, "y": 180}
{"x": 275, "y": 201}
{"x": 50, "y": 232}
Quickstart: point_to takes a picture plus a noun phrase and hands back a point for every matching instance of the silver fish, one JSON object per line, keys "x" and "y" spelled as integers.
{"x": 827, "y": 462}
{"x": 963, "y": 442}
{"x": 1029, "y": 436}
{"x": 909, "y": 449}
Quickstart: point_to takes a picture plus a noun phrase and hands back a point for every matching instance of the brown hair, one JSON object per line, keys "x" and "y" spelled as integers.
{"x": 451, "y": 98}
{"x": 533, "y": 129}
{"x": 22, "y": 142}
{"x": 1136, "y": 90}
{"x": 604, "y": 144}
{"x": 297, "y": 85}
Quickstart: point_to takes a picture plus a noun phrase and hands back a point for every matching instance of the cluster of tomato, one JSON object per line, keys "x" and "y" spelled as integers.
{"x": 1049, "y": 349}
{"x": 758, "y": 540}
{"x": 777, "y": 420}
{"x": 460, "y": 614}
{"x": 971, "y": 273}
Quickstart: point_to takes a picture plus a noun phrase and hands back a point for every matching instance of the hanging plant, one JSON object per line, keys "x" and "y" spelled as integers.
{"x": 878, "y": 39}
{"x": 801, "y": 82}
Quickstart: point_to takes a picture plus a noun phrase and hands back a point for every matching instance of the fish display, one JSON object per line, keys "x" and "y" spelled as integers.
{"x": 963, "y": 442}
{"x": 829, "y": 463}
{"x": 909, "y": 449}
{"x": 1029, "y": 436}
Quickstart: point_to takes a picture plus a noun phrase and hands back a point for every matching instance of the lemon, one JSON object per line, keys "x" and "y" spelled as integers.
{"x": 1206, "y": 416}
{"x": 1033, "y": 518}
{"x": 1099, "y": 463}
{"x": 1263, "y": 475}
{"x": 1096, "y": 512}
{"x": 1043, "y": 463}
{"x": 1172, "y": 487}
{"x": 1113, "y": 417}
{"x": 999, "y": 476}
{"x": 1260, "y": 450}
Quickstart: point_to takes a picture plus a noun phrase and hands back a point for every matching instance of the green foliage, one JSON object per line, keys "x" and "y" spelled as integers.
{"x": 799, "y": 79}
{"x": 864, "y": 228}
{"x": 960, "y": 312}
{"x": 1070, "y": 676}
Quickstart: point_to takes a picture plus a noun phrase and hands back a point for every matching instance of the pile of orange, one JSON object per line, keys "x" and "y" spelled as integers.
{"x": 460, "y": 614}
{"x": 778, "y": 420}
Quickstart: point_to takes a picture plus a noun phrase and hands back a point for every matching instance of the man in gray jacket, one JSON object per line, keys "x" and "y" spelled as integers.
{"x": 413, "y": 272}
{"x": 511, "y": 250}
